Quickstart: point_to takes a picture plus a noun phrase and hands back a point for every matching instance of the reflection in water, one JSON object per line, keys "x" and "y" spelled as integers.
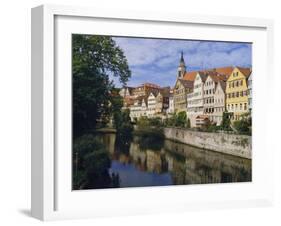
{"x": 174, "y": 163}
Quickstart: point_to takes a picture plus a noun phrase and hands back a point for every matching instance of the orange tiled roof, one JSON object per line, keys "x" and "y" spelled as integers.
{"x": 245, "y": 71}
{"x": 186, "y": 83}
{"x": 190, "y": 76}
{"x": 226, "y": 71}
{"x": 218, "y": 77}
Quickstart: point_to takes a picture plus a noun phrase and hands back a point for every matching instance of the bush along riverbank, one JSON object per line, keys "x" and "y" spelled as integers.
{"x": 149, "y": 132}
{"x": 152, "y": 138}
{"x": 91, "y": 164}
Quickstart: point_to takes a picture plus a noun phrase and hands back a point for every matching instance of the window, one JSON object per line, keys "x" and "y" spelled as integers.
{"x": 236, "y": 106}
{"x": 240, "y": 106}
{"x": 245, "y": 106}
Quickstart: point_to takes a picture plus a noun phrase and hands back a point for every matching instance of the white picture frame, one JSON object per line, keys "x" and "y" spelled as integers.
{"x": 48, "y": 186}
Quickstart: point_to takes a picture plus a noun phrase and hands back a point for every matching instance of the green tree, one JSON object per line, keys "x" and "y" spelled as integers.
{"x": 155, "y": 122}
{"x": 172, "y": 120}
{"x": 116, "y": 103}
{"x": 143, "y": 122}
{"x": 94, "y": 59}
{"x": 225, "y": 124}
{"x": 91, "y": 164}
{"x": 124, "y": 125}
{"x": 181, "y": 119}
{"x": 244, "y": 125}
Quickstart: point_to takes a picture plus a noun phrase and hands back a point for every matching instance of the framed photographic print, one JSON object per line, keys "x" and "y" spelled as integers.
{"x": 138, "y": 112}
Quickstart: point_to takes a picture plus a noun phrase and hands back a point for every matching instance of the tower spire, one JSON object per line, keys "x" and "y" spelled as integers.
{"x": 181, "y": 67}
{"x": 182, "y": 60}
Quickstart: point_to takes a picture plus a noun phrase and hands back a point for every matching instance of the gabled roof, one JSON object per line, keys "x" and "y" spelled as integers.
{"x": 165, "y": 91}
{"x": 153, "y": 92}
{"x": 245, "y": 71}
{"x": 139, "y": 99}
{"x": 250, "y": 77}
{"x": 128, "y": 88}
{"x": 222, "y": 71}
{"x": 186, "y": 83}
{"x": 223, "y": 85}
{"x": 203, "y": 75}
{"x": 216, "y": 77}
{"x": 190, "y": 76}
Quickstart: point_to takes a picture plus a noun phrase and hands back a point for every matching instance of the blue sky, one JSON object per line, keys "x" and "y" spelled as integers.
{"x": 156, "y": 60}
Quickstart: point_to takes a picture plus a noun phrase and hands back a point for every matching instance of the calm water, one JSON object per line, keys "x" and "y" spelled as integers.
{"x": 171, "y": 163}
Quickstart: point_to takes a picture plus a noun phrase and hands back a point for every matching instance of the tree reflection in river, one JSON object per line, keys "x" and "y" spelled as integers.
{"x": 172, "y": 164}
{"x": 91, "y": 164}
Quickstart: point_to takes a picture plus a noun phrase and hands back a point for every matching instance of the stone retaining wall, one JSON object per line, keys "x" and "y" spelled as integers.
{"x": 233, "y": 144}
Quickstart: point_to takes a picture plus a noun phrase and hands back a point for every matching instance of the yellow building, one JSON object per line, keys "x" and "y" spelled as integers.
{"x": 237, "y": 92}
{"x": 181, "y": 89}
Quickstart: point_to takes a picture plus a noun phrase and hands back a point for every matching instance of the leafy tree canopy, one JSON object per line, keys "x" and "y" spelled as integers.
{"x": 94, "y": 60}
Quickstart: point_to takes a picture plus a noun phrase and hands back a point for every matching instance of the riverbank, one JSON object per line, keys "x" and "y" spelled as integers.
{"x": 233, "y": 144}
{"x": 106, "y": 130}
{"x": 227, "y": 143}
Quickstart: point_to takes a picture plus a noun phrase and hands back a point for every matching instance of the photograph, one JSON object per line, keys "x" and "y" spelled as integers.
{"x": 160, "y": 112}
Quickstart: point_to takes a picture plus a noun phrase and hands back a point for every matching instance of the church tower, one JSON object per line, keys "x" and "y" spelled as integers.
{"x": 181, "y": 67}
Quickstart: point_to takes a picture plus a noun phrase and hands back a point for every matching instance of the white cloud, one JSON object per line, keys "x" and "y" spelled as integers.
{"x": 156, "y": 60}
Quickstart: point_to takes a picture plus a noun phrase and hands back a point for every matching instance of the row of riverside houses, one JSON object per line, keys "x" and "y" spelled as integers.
{"x": 147, "y": 100}
{"x": 203, "y": 95}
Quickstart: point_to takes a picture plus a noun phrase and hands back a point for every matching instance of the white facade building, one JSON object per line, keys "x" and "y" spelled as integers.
{"x": 151, "y": 105}
{"x": 209, "y": 93}
{"x": 171, "y": 108}
{"x": 138, "y": 109}
{"x": 135, "y": 110}
{"x": 214, "y": 96}
{"x": 125, "y": 91}
{"x": 219, "y": 102}
{"x": 195, "y": 99}
{"x": 249, "y": 83}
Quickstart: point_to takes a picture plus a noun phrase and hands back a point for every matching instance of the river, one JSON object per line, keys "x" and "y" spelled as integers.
{"x": 171, "y": 163}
